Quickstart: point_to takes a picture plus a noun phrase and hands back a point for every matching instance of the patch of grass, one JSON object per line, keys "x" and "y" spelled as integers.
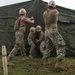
{"x": 35, "y": 67}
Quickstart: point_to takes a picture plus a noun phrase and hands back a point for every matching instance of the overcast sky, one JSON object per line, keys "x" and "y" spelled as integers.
{"x": 65, "y": 3}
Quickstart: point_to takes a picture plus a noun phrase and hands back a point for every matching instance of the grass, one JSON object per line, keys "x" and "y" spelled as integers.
{"x": 35, "y": 67}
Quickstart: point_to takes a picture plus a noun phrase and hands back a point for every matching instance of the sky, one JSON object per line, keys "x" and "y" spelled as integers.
{"x": 64, "y": 3}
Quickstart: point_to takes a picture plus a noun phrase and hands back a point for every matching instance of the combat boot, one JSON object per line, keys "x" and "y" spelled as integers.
{"x": 23, "y": 58}
{"x": 46, "y": 62}
{"x": 9, "y": 63}
{"x": 30, "y": 56}
{"x": 60, "y": 66}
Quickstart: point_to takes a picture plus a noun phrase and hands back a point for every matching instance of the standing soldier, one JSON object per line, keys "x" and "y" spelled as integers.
{"x": 20, "y": 27}
{"x": 39, "y": 39}
{"x": 52, "y": 36}
{"x": 31, "y": 41}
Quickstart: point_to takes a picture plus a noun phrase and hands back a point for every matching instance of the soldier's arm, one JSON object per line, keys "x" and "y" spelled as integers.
{"x": 29, "y": 20}
{"x": 16, "y": 24}
{"x": 29, "y": 38}
{"x": 57, "y": 12}
{"x": 44, "y": 16}
{"x": 32, "y": 18}
{"x": 41, "y": 36}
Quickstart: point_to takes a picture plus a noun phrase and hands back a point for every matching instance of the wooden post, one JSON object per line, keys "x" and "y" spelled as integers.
{"x": 4, "y": 59}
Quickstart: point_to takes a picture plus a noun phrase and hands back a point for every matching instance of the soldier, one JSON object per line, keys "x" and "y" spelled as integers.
{"x": 31, "y": 41}
{"x": 20, "y": 28}
{"x": 52, "y": 36}
{"x": 39, "y": 39}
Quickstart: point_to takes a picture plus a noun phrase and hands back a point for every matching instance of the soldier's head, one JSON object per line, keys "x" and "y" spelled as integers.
{"x": 32, "y": 29}
{"x": 38, "y": 28}
{"x": 52, "y": 4}
{"x": 22, "y": 11}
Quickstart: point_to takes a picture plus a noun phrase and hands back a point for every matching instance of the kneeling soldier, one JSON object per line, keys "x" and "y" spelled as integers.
{"x": 31, "y": 40}
{"x": 39, "y": 38}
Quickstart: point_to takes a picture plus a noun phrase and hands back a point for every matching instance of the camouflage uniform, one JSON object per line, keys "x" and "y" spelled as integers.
{"x": 41, "y": 42}
{"x": 19, "y": 44}
{"x": 52, "y": 36}
{"x": 20, "y": 27}
{"x": 19, "y": 34}
{"x": 42, "y": 47}
{"x": 31, "y": 38}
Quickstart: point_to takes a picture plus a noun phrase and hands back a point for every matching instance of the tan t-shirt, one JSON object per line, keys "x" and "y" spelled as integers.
{"x": 31, "y": 36}
{"x": 41, "y": 36}
{"x": 22, "y": 24}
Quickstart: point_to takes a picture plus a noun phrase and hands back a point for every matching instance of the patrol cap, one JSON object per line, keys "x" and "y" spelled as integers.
{"x": 32, "y": 29}
{"x": 22, "y": 11}
{"x": 52, "y": 3}
{"x": 38, "y": 28}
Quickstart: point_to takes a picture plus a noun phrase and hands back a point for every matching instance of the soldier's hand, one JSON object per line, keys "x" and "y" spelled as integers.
{"x": 37, "y": 41}
{"x": 32, "y": 18}
{"x": 33, "y": 21}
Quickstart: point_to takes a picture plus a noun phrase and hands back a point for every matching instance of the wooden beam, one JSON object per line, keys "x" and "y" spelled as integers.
{"x": 4, "y": 60}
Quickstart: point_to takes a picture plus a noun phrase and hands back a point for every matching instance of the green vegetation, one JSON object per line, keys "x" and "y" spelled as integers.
{"x": 35, "y": 67}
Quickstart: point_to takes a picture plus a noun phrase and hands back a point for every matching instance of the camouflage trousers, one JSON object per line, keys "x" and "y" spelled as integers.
{"x": 19, "y": 45}
{"x": 42, "y": 47}
{"x": 53, "y": 38}
{"x": 32, "y": 46}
